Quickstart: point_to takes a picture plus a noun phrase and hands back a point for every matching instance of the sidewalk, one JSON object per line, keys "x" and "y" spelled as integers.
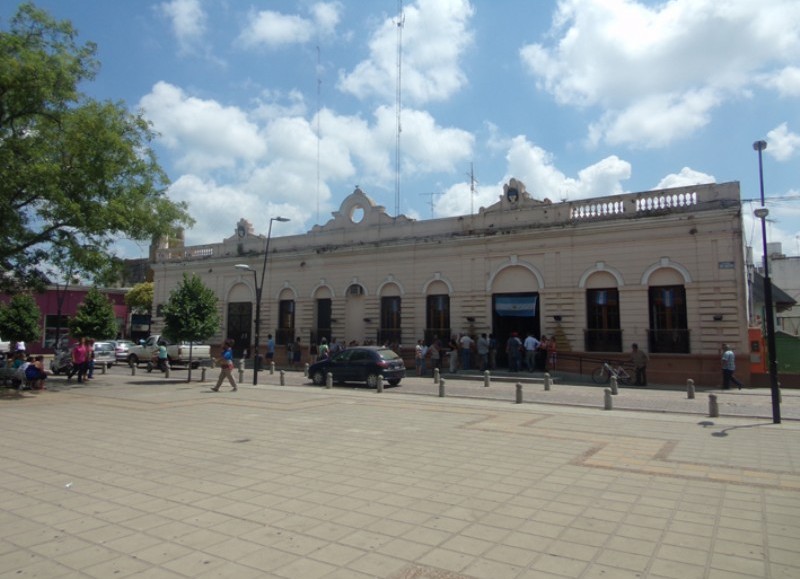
{"x": 137, "y": 476}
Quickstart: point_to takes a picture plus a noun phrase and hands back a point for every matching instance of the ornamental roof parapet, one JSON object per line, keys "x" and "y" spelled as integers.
{"x": 361, "y": 222}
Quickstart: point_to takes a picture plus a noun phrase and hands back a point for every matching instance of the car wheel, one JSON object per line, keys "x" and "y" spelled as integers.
{"x": 373, "y": 380}
{"x": 394, "y": 382}
{"x": 318, "y": 378}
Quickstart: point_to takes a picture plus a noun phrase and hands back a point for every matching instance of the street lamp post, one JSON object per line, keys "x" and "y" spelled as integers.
{"x": 762, "y": 213}
{"x": 259, "y": 292}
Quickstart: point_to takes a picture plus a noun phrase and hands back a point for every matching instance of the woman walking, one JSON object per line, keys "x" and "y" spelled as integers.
{"x": 226, "y": 367}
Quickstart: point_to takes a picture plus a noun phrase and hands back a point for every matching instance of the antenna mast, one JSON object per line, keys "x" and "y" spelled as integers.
{"x": 319, "y": 134}
{"x": 401, "y": 19}
{"x": 430, "y": 201}
{"x": 472, "y": 182}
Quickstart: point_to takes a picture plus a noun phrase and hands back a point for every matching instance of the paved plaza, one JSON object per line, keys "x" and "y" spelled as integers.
{"x": 138, "y": 476}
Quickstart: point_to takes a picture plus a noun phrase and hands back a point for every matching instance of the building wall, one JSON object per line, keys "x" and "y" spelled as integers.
{"x": 73, "y": 297}
{"x": 690, "y": 236}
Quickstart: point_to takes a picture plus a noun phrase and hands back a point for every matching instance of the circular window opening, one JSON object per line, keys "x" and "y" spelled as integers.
{"x": 357, "y": 214}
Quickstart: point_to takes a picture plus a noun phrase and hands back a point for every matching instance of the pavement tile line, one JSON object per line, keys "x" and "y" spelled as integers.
{"x": 642, "y": 455}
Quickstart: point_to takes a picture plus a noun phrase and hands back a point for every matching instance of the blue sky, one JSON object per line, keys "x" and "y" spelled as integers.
{"x": 282, "y": 108}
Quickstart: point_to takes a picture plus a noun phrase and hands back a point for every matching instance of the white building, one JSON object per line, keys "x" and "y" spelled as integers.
{"x": 662, "y": 268}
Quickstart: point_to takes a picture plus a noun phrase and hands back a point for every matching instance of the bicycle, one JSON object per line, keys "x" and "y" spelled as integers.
{"x": 604, "y": 373}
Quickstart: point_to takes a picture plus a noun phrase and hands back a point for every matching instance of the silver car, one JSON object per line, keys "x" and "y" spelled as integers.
{"x": 122, "y": 347}
{"x": 104, "y": 353}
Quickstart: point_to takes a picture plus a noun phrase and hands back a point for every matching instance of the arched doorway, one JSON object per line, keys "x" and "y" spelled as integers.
{"x": 515, "y": 307}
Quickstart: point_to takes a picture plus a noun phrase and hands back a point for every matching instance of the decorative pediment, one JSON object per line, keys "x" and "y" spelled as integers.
{"x": 515, "y": 196}
{"x": 359, "y": 210}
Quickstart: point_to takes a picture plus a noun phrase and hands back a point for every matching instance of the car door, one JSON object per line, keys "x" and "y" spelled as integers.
{"x": 359, "y": 366}
{"x": 338, "y": 365}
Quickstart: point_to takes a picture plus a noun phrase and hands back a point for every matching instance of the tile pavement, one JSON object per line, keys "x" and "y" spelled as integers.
{"x": 135, "y": 476}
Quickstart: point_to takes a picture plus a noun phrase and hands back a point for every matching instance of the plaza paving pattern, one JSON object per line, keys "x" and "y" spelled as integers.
{"x": 137, "y": 476}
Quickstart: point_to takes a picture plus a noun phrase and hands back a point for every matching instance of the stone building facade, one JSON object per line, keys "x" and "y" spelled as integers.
{"x": 664, "y": 269}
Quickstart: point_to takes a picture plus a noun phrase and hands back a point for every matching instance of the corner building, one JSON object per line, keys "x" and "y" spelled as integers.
{"x": 663, "y": 268}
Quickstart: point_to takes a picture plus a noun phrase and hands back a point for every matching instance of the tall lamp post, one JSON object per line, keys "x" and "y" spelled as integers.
{"x": 762, "y": 213}
{"x": 259, "y": 292}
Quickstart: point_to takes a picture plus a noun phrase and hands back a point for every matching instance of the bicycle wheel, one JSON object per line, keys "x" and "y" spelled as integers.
{"x": 601, "y": 375}
{"x": 624, "y": 378}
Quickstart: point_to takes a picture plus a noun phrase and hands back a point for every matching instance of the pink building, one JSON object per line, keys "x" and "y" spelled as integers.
{"x": 70, "y": 299}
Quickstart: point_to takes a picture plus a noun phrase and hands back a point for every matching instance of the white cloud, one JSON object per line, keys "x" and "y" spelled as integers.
{"x": 782, "y": 144}
{"x": 275, "y": 29}
{"x": 543, "y": 180}
{"x": 435, "y": 34}
{"x": 188, "y": 21}
{"x": 650, "y": 65}
{"x": 204, "y": 134}
{"x": 786, "y": 81}
{"x": 687, "y": 177}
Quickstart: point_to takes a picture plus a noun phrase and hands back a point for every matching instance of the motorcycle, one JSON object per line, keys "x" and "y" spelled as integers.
{"x": 61, "y": 362}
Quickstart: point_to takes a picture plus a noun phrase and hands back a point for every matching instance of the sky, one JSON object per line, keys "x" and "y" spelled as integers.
{"x": 282, "y": 108}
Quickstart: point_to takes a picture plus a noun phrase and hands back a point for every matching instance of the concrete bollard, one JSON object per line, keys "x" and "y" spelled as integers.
{"x": 283, "y": 378}
{"x": 547, "y": 381}
{"x": 436, "y": 375}
{"x": 203, "y": 374}
{"x": 690, "y": 389}
{"x": 305, "y": 370}
{"x": 608, "y": 403}
{"x": 329, "y": 380}
{"x": 614, "y": 386}
{"x": 166, "y": 372}
{"x": 241, "y": 370}
{"x": 103, "y": 369}
{"x": 133, "y": 369}
{"x": 713, "y": 407}
{"x": 486, "y": 379}
{"x": 379, "y": 389}
{"x": 441, "y": 388}
{"x": 519, "y": 393}
{"x": 272, "y": 367}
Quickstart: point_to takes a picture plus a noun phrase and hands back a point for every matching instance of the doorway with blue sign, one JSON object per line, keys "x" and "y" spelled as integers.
{"x": 513, "y": 313}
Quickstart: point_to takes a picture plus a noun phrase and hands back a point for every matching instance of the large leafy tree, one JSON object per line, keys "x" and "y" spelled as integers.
{"x": 19, "y": 319}
{"x": 140, "y": 297}
{"x": 94, "y": 318}
{"x": 76, "y": 174}
{"x": 191, "y": 313}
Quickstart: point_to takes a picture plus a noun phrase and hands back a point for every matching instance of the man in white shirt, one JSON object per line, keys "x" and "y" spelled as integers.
{"x": 530, "y": 344}
{"x": 466, "y": 348}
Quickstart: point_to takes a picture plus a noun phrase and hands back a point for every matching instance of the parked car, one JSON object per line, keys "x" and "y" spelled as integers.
{"x": 368, "y": 364}
{"x": 104, "y": 353}
{"x": 178, "y": 353}
{"x": 121, "y": 350}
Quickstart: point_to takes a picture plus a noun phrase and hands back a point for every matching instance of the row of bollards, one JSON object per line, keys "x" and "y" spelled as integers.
{"x": 608, "y": 393}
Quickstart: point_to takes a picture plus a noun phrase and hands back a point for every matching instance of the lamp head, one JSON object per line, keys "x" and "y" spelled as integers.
{"x": 759, "y": 145}
{"x": 761, "y": 212}
{"x": 243, "y": 266}
{"x": 281, "y": 219}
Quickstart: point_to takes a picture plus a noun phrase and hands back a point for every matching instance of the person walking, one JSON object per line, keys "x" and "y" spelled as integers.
{"x": 639, "y": 361}
{"x": 80, "y": 357}
{"x": 226, "y": 367}
{"x": 728, "y": 368}
{"x": 163, "y": 357}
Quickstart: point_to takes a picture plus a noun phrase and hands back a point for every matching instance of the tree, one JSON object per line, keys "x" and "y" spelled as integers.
{"x": 191, "y": 313}
{"x": 19, "y": 319}
{"x": 140, "y": 297}
{"x": 75, "y": 174}
{"x": 94, "y": 318}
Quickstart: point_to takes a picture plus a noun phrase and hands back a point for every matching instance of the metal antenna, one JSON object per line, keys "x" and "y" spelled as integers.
{"x": 401, "y": 19}
{"x": 472, "y": 182}
{"x": 430, "y": 201}
{"x": 319, "y": 134}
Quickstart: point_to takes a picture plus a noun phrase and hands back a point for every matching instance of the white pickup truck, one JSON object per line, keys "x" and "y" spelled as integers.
{"x": 178, "y": 353}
